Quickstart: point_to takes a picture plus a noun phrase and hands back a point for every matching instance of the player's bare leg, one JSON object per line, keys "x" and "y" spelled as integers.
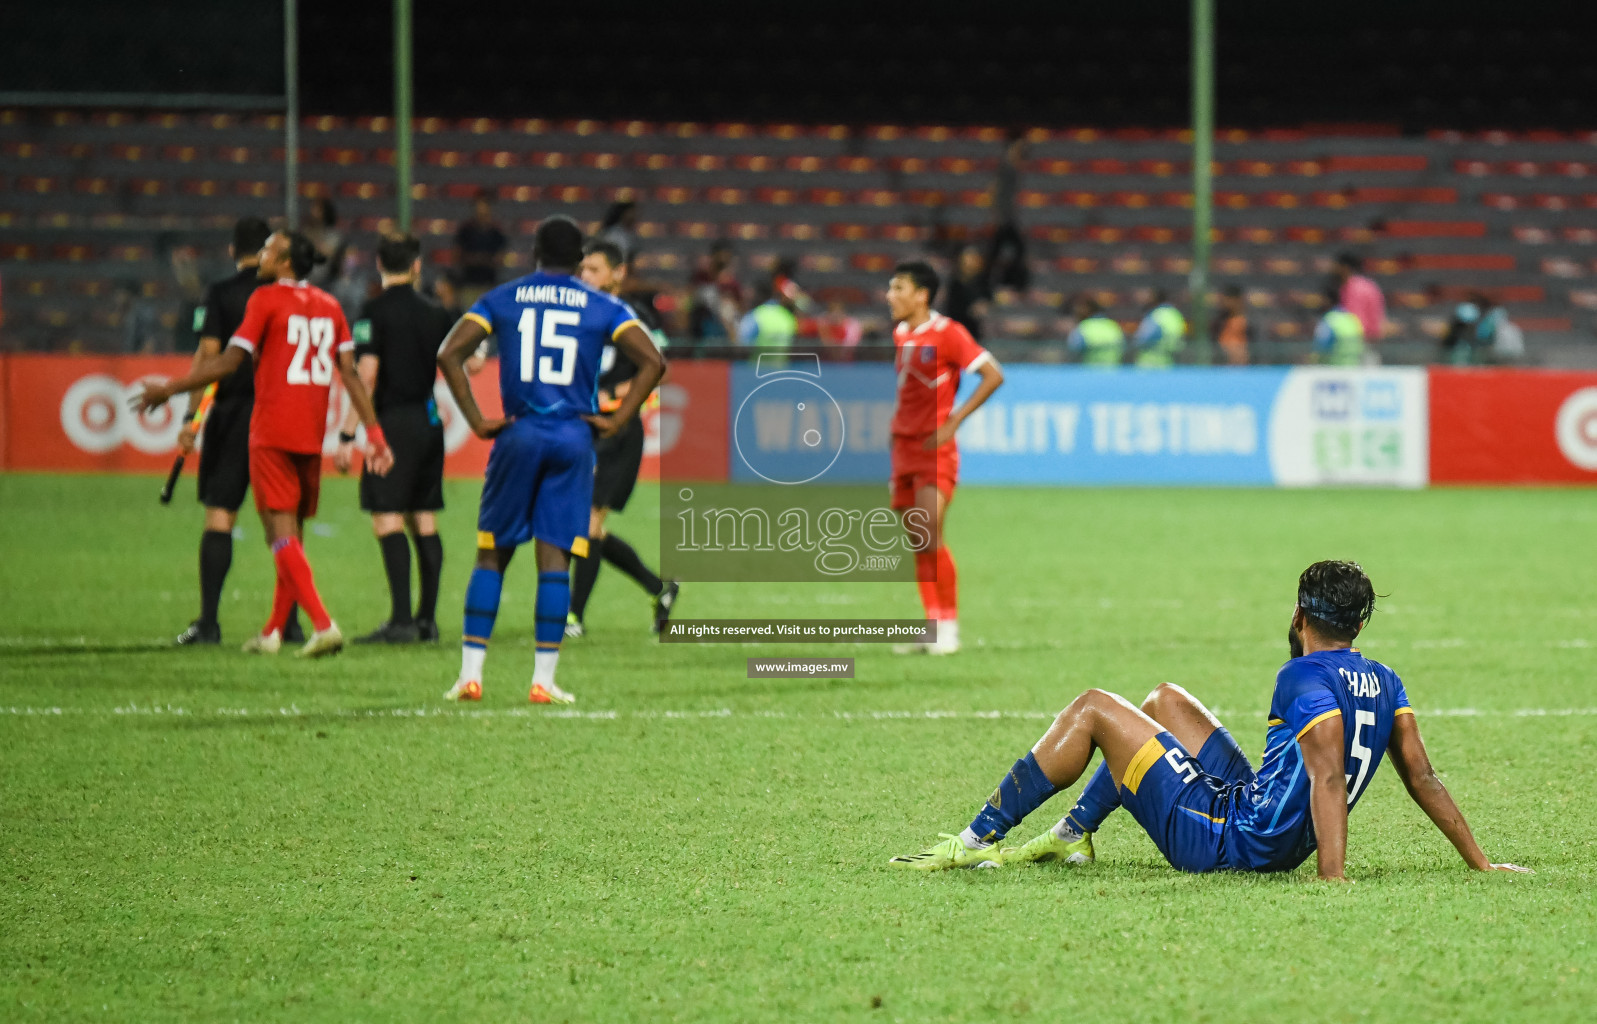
{"x": 553, "y": 604}
{"x": 1096, "y": 720}
{"x": 1070, "y": 838}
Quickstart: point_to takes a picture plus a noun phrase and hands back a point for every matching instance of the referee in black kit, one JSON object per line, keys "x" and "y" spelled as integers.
{"x": 225, "y": 444}
{"x": 396, "y": 350}
{"x": 618, "y": 459}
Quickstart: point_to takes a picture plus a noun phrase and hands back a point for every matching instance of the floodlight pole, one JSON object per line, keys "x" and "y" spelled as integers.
{"x": 1202, "y": 171}
{"x": 291, "y": 116}
{"x": 402, "y": 112}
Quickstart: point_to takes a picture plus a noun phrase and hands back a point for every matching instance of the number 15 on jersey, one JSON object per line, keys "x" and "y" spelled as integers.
{"x": 561, "y": 346}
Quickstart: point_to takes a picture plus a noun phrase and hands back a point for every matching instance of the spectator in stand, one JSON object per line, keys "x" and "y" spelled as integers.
{"x": 620, "y": 229}
{"x": 838, "y": 327}
{"x": 136, "y": 317}
{"x": 1360, "y": 296}
{"x": 447, "y": 293}
{"x": 1098, "y": 339}
{"x": 770, "y": 324}
{"x": 969, "y": 293}
{"x": 1231, "y": 329}
{"x": 191, "y": 295}
{"x": 1480, "y": 332}
{"x": 355, "y": 284}
{"x": 717, "y": 296}
{"x": 1339, "y": 336}
{"x": 1006, "y": 255}
{"x": 320, "y": 225}
{"x": 1162, "y": 334}
{"x": 478, "y": 246}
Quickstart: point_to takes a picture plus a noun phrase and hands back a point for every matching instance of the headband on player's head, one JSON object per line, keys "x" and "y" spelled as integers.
{"x": 1344, "y": 619}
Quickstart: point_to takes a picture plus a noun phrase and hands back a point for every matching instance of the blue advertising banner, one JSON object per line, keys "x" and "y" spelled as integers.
{"x": 795, "y": 421}
{"x": 1075, "y": 425}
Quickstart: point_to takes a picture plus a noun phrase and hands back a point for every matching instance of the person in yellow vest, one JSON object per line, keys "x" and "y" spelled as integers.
{"x": 1162, "y": 333}
{"x": 771, "y": 324}
{"x": 1097, "y": 338}
{"x": 1339, "y": 336}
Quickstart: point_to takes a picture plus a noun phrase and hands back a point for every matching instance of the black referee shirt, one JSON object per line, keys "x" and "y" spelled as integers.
{"x": 403, "y": 330}
{"x": 615, "y": 366}
{"x": 219, "y": 318}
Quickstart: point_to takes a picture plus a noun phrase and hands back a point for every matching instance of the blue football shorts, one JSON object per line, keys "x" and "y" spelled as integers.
{"x": 539, "y": 485}
{"x": 1182, "y": 801}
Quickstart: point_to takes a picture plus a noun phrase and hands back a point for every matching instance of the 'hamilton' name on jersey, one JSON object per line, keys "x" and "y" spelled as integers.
{"x": 553, "y": 294}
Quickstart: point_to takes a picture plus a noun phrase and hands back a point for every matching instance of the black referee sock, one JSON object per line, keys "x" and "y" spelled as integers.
{"x": 620, "y": 554}
{"x": 216, "y": 558}
{"x": 396, "y": 563}
{"x": 430, "y": 560}
{"x": 584, "y": 574}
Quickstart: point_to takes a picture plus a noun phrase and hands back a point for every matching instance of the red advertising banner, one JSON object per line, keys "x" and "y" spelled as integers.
{"x": 1498, "y": 426}
{"x": 71, "y": 413}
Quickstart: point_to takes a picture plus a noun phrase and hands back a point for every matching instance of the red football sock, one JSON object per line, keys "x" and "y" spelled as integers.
{"x": 282, "y": 602}
{"x": 947, "y": 588}
{"x": 291, "y": 563}
{"x": 926, "y": 580}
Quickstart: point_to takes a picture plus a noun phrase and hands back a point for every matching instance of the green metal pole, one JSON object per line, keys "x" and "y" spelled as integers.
{"x": 291, "y": 116}
{"x": 1202, "y": 171}
{"x": 402, "y": 111}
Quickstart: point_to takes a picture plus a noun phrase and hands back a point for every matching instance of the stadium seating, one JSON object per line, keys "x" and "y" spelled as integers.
{"x": 90, "y": 200}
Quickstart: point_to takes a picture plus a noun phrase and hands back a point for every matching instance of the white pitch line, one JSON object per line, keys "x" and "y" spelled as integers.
{"x": 291, "y": 711}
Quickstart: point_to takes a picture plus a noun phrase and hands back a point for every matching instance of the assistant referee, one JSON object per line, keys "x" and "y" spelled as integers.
{"x": 224, "y": 476}
{"x": 396, "y": 349}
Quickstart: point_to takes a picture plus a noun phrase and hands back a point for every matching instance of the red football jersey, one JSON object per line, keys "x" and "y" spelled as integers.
{"x": 295, "y": 332}
{"x": 929, "y": 360}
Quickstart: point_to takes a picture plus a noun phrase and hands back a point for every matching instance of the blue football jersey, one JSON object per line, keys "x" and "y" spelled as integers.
{"x": 552, "y": 330}
{"x": 1270, "y": 824}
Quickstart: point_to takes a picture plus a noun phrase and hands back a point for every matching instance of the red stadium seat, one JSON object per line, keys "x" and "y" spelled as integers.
{"x": 1458, "y": 261}
{"x": 1283, "y": 265}
{"x": 1581, "y": 236}
{"x": 201, "y": 187}
{"x": 362, "y": 190}
{"x": 898, "y": 233}
{"x": 785, "y": 132}
{"x": 674, "y": 195}
{"x": 1562, "y": 266}
{"x": 1105, "y": 234}
{"x": 755, "y": 162}
{"x": 500, "y": 158}
{"x": 550, "y": 160}
{"x": 798, "y": 232}
{"x": 14, "y": 252}
{"x": 1051, "y": 233}
{"x": 804, "y": 164}
{"x": 1405, "y": 195}
{"x": 707, "y": 163}
{"x": 1181, "y": 199}
{"x": 964, "y": 165}
{"x": 1132, "y": 262}
{"x": 520, "y": 193}
{"x": 1077, "y": 264}
{"x": 82, "y": 186}
{"x": 1033, "y": 199}
{"x": 1052, "y": 166}
{"x": 925, "y": 197}
{"x": 235, "y": 154}
{"x": 855, "y": 164}
{"x": 776, "y": 196}
{"x": 583, "y": 128}
{"x": 828, "y": 196}
{"x": 1412, "y": 163}
{"x": 1255, "y": 235}
{"x": 72, "y": 252}
{"x": 746, "y": 231}
{"x": 872, "y": 262}
{"x": 975, "y": 197}
{"x": 726, "y": 196}
{"x": 1105, "y": 166}
{"x": 529, "y": 126}
{"x": 445, "y": 158}
{"x": 603, "y": 161}
{"x": 1161, "y": 168}
{"x": 147, "y": 186}
{"x": 1435, "y": 229}
{"x": 879, "y": 197}
{"x": 848, "y": 232}
{"x": 699, "y": 229}
{"x": 479, "y": 126}
{"x": 568, "y": 194}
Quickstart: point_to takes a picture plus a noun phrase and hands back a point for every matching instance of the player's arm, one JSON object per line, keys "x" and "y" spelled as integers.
{"x": 635, "y": 343}
{"x": 209, "y": 372}
{"x": 366, "y": 369}
{"x": 208, "y": 348}
{"x": 379, "y": 457}
{"x": 1413, "y": 766}
{"x": 992, "y": 375}
{"x": 464, "y": 338}
{"x": 1324, "y": 763}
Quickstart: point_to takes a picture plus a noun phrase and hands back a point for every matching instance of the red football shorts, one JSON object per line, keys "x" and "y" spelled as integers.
{"x": 286, "y": 481}
{"x": 915, "y": 468}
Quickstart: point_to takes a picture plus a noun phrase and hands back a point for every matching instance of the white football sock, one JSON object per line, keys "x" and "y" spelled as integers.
{"x": 1064, "y": 831}
{"x": 948, "y": 632}
{"x": 543, "y": 667}
{"x": 971, "y": 841}
{"x": 471, "y": 662}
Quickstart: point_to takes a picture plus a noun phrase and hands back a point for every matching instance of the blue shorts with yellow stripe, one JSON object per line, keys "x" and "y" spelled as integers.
{"x": 539, "y": 485}
{"x": 1182, "y": 801}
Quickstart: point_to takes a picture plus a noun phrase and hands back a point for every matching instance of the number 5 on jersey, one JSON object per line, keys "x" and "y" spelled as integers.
{"x": 564, "y": 344}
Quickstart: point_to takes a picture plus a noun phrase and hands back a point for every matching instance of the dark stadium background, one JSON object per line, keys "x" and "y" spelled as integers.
{"x": 1422, "y": 65}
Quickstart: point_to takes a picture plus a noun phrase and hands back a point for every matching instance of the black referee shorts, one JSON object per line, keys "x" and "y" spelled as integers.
{"x": 225, "y": 454}
{"x": 416, "y": 483}
{"x": 616, "y": 468}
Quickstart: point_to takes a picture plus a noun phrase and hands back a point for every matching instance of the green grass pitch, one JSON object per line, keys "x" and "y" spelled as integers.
{"x": 200, "y": 836}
